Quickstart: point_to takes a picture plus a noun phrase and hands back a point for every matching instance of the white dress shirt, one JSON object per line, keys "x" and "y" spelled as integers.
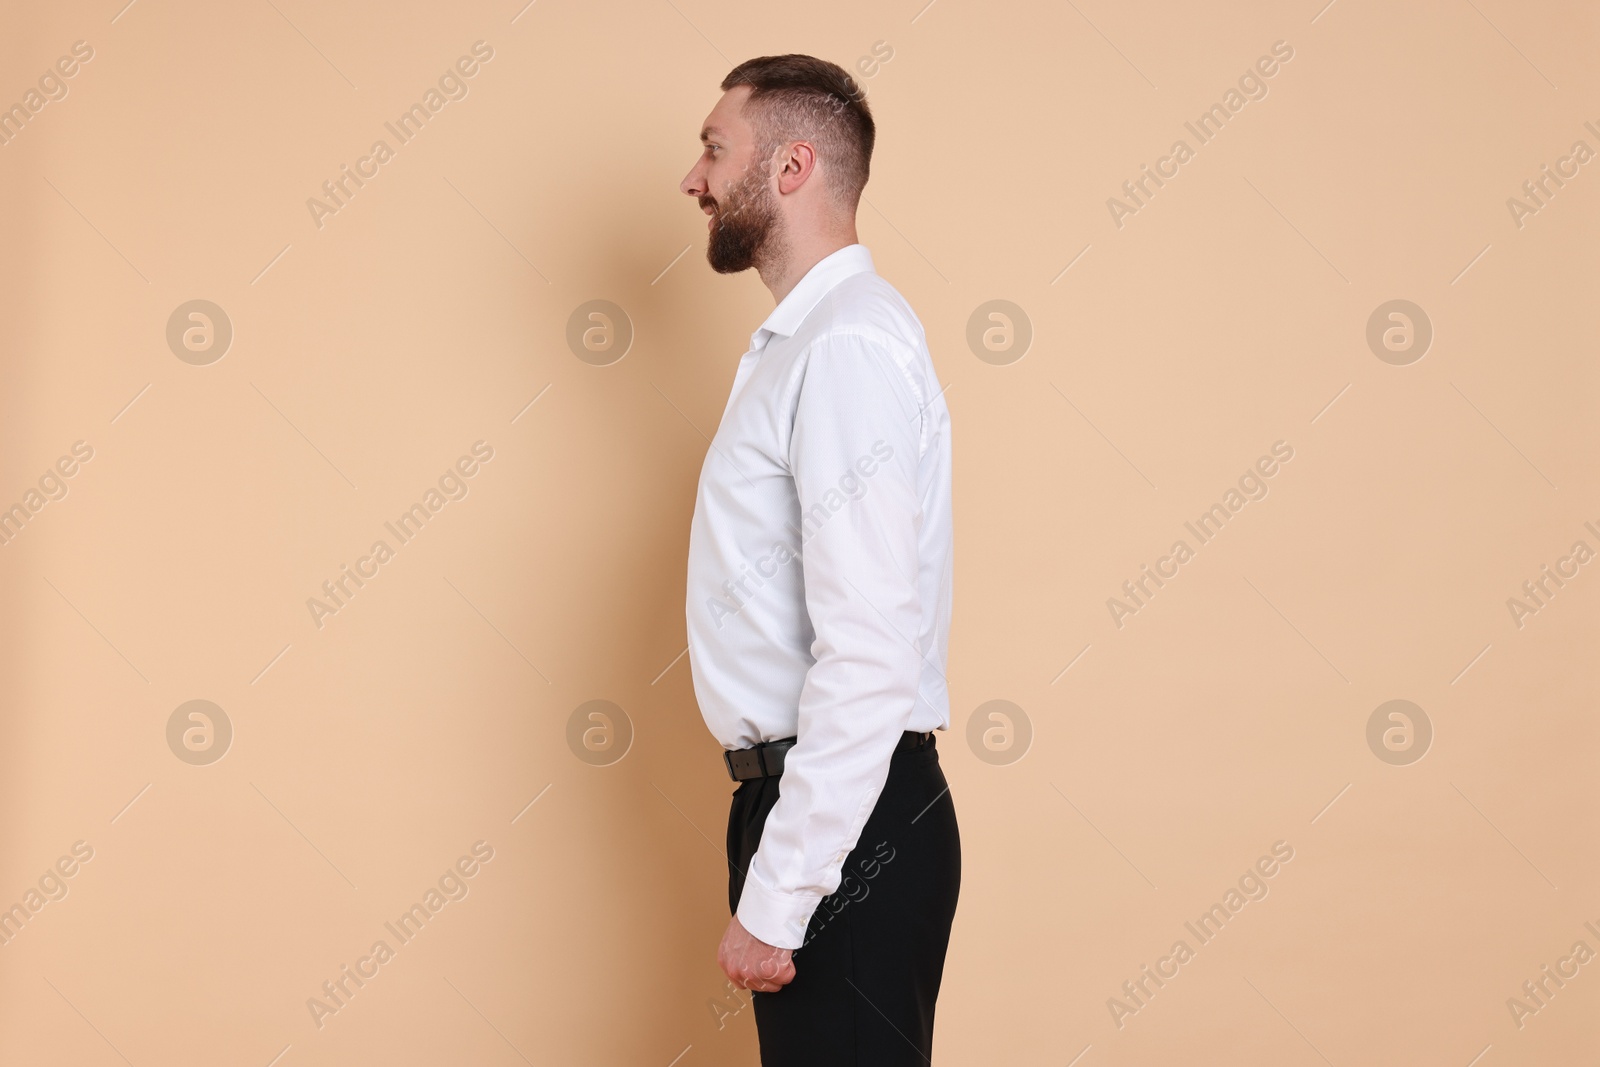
{"x": 819, "y": 570}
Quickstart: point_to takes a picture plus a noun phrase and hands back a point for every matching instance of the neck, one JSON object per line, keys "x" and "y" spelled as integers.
{"x": 794, "y": 257}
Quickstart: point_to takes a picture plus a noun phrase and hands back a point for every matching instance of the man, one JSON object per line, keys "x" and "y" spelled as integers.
{"x": 819, "y": 591}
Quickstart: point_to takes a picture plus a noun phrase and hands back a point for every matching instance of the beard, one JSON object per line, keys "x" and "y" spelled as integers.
{"x": 744, "y": 225}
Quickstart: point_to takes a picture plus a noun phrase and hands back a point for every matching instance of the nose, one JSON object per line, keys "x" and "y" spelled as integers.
{"x": 693, "y": 183}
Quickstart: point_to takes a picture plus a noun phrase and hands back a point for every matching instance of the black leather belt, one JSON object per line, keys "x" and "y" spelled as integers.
{"x": 766, "y": 759}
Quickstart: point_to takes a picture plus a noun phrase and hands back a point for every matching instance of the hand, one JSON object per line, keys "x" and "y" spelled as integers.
{"x": 751, "y": 963}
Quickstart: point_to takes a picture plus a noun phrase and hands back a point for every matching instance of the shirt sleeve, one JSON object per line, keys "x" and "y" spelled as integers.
{"x": 854, "y": 455}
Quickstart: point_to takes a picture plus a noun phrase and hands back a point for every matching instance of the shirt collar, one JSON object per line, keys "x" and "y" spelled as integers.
{"x": 826, "y": 273}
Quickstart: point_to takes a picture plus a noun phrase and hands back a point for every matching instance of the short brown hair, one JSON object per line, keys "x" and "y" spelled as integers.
{"x": 802, "y": 98}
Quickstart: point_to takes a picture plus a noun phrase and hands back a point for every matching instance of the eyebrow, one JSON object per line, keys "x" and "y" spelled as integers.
{"x": 707, "y": 133}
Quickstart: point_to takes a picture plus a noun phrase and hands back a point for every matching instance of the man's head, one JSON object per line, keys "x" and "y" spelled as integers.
{"x": 787, "y": 150}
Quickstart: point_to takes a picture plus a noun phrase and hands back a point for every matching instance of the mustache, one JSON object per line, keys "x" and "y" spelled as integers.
{"x": 731, "y": 208}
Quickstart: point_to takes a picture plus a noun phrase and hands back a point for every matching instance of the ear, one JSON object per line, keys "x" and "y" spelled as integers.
{"x": 796, "y": 164}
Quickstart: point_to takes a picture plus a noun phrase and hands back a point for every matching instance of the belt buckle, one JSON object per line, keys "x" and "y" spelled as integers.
{"x": 771, "y": 756}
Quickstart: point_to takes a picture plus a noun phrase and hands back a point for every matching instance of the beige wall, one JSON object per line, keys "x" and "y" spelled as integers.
{"x": 1164, "y": 756}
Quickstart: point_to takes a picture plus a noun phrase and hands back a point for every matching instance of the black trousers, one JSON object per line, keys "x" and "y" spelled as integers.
{"x": 868, "y": 972}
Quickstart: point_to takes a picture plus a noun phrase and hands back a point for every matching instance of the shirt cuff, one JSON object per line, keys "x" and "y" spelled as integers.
{"x": 779, "y": 919}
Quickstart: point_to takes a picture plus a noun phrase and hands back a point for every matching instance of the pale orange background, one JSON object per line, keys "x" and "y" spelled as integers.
{"x": 1230, "y": 713}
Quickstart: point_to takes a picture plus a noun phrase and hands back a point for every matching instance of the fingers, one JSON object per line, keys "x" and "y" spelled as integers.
{"x": 752, "y": 964}
{"x": 762, "y": 974}
{"x": 778, "y": 972}
{"x": 763, "y": 985}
